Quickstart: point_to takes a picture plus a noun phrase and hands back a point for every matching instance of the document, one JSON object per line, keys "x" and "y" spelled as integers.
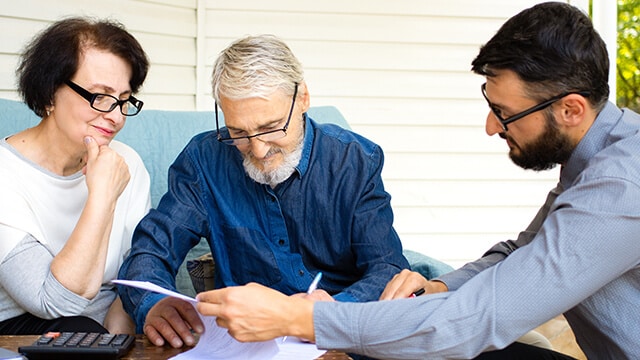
{"x": 216, "y": 343}
{"x": 6, "y": 354}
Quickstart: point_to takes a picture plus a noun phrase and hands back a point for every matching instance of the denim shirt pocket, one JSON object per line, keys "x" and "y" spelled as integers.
{"x": 250, "y": 257}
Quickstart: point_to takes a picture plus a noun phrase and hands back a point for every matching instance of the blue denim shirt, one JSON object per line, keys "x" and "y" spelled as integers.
{"x": 332, "y": 215}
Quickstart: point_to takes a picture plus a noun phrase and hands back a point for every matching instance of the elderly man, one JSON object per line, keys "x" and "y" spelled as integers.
{"x": 278, "y": 197}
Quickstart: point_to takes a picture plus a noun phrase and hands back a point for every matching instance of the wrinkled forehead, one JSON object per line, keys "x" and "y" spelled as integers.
{"x": 255, "y": 112}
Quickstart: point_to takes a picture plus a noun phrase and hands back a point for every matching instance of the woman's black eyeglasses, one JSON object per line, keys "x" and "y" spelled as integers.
{"x": 106, "y": 103}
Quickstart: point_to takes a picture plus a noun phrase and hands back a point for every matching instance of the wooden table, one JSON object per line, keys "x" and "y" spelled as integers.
{"x": 143, "y": 349}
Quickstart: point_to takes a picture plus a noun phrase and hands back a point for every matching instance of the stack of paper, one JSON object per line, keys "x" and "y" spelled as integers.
{"x": 217, "y": 344}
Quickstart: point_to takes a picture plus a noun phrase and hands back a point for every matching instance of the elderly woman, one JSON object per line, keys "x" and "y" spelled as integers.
{"x": 71, "y": 195}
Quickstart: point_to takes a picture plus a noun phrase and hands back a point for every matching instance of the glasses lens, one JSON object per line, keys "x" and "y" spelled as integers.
{"x": 131, "y": 108}
{"x": 104, "y": 102}
{"x": 272, "y": 136}
{"x": 236, "y": 142}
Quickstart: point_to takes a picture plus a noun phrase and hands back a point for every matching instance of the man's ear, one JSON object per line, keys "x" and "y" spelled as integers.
{"x": 303, "y": 96}
{"x": 574, "y": 110}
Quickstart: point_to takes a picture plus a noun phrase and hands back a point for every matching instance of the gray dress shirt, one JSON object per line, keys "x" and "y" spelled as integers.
{"x": 579, "y": 257}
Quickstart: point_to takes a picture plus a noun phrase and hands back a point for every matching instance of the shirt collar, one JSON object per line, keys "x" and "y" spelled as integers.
{"x": 303, "y": 165}
{"x": 596, "y": 139}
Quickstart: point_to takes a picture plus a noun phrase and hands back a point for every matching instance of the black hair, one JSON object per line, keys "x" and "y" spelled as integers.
{"x": 52, "y": 57}
{"x": 554, "y": 48}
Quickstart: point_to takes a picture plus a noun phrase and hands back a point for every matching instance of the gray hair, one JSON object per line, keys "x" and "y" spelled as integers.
{"x": 255, "y": 66}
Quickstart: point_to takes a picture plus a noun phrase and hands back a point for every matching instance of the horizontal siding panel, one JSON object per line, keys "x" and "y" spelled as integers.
{"x": 187, "y": 4}
{"x": 15, "y": 33}
{"x": 165, "y": 79}
{"x": 356, "y": 27}
{"x": 433, "y": 139}
{"x": 137, "y": 16}
{"x": 390, "y": 84}
{"x": 453, "y": 249}
{"x": 394, "y": 84}
{"x": 420, "y": 220}
{"x": 8, "y": 65}
{"x": 344, "y": 55}
{"x": 462, "y": 8}
{"x": 168, "y": 102}
{"x": 410, "y": 166}
{"x": 168, "y": 50}
{"x": 362, "y": 112}
{"x": 11, "y": 95}
{"x": 468, "y": 193}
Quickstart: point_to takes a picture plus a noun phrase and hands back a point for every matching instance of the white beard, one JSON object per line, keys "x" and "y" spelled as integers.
{"x": 279, "y": 174}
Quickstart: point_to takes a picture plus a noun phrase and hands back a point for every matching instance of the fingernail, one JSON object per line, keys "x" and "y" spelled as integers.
{"x": 87, "y": 139}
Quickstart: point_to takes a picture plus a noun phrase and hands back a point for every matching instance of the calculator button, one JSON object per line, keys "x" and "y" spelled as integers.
{"x": 105, "y": 339}
{"x": 75, "y": 339}
{"x": 62, "y": 339}
{"x": 119, "y": 340}
{"x": 89, "y": 339}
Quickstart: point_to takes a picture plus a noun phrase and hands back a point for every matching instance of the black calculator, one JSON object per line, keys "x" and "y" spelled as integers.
{"x": 78, "y": 345}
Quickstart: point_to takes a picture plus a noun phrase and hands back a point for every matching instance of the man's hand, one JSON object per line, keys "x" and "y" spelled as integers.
{"x": 316, "y": 295}
{"x": 407, "y": 282}
{"x": 256, "y": 313}
{"x": 172, "y": 319}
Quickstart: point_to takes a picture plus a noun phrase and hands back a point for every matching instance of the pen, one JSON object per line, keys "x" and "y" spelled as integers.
{"x": 312, "y": 288}
{"x": 314, "y": 283}
{"x": 417, "y": 293}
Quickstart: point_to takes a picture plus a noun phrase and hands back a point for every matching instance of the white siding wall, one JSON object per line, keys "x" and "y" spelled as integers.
{"x": 398, "y": 71}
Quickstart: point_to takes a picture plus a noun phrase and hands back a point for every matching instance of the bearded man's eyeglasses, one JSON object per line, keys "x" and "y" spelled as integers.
{"x": 543, "y": 105}
{"x": 267, "y": 136}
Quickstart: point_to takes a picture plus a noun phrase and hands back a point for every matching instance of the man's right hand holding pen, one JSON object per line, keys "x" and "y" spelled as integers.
{"x": 409, "y": 284}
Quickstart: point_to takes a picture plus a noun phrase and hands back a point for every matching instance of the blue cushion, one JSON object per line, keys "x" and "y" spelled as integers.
{"x": 157, "y": 135}
{"x": 427, "y": 266}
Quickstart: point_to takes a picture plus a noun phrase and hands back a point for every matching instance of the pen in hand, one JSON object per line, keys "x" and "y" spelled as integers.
{"x": 417, "y": 293}
{"x": 314, "y": 283}
{"x": 312, "y": 288}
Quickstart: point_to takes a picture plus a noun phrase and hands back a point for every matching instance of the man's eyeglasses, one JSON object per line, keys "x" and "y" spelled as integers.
{"x": 266, "y": 136}
{"x": 543, "y": 105}
{"x": 106, "y": 103}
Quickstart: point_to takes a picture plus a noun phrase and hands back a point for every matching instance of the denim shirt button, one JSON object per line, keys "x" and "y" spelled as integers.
{"x": 281, "y": 242}
{"x": 301, "y": 272}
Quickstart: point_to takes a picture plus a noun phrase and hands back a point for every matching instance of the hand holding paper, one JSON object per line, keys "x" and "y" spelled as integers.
{"x": 254, "y": 312}
{"x": 145, "y": 285}
{"x": 216, "y": 343}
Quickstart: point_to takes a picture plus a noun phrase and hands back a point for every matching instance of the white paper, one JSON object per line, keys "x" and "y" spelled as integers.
{"x": 294, "y": 349}
{"x": 6, "y": 354}
{"x": 216, "y": 343}
{"x": 155, "y": 288}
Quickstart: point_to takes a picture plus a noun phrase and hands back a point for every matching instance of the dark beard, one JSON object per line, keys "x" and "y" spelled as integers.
{"x": 544, "y": 153}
